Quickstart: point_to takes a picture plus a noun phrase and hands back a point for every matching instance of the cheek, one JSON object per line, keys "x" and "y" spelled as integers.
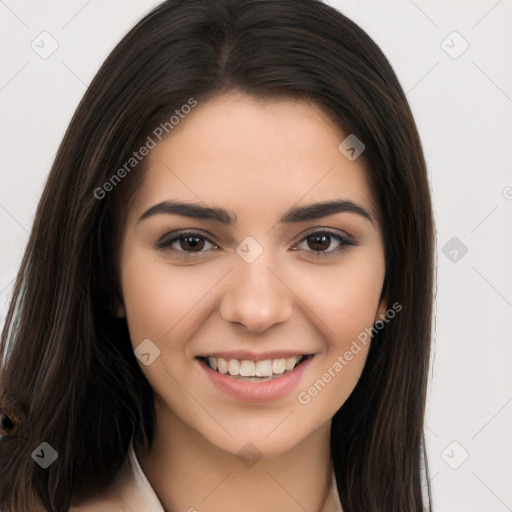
{"x": 356, "y": 301}
{"x": 345, "y": 298}
{"x": 153, "y": 298}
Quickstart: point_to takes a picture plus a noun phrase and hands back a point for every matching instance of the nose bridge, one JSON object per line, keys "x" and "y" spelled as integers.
{"x": 255, "y": 296}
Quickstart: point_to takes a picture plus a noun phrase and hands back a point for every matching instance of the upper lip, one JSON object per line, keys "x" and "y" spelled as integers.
{"x": 255, "y": 356}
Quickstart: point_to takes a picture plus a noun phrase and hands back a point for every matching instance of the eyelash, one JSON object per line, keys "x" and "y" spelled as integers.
{"x": 165, "y": 244}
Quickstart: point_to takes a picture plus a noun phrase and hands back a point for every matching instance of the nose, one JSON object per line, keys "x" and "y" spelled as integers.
{"x": 256, "y": 297}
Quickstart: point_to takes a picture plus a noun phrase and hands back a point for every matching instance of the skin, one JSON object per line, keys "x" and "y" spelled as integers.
{"x": 257, "y": 159}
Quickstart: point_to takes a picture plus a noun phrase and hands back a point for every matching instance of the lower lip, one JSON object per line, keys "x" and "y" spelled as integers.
{"x": 268, "y": 391}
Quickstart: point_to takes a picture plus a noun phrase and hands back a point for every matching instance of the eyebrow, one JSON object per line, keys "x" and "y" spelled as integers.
{"x": 295, "y": 214}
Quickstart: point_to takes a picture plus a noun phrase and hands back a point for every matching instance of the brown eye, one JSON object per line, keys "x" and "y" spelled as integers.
{"x": 191, "y": 243}
{"x": 325, "y": 243}
{"x": 319, "y": 242}
{"x": 186, "y": 243}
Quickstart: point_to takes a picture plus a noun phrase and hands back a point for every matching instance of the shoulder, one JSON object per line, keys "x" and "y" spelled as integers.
{"x": 108, "y": 500}
{"x": 129, "y": 492}
{"x": 112, "y": 498}
{"x": 96, "y": 505}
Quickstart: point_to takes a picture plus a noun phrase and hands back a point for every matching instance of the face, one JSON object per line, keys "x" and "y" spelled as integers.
{"x": 225, "y": 262}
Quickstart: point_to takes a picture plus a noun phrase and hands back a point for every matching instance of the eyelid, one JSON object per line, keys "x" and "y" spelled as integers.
{"x": 169, "y": 238}
{"x": 328, "y": 231}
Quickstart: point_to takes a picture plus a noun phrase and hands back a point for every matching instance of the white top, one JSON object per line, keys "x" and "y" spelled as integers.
{"x": 131, "y": 492}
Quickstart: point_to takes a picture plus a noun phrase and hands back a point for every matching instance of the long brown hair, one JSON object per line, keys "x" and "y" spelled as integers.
{"x": 69, "y": 376}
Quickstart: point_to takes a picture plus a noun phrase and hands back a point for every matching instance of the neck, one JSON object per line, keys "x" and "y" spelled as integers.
{"x": 189, "y": 473}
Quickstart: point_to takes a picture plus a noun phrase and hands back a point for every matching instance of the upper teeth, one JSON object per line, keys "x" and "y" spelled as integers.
{"x": 247, "y": 368}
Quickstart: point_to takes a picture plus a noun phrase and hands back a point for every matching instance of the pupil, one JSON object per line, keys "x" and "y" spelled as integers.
{"x": 320, "y": 240}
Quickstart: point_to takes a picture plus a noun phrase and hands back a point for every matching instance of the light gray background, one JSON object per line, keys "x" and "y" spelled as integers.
{"x": 463, "y": 108}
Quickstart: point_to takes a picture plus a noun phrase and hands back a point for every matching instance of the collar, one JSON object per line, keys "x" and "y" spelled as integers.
{"x": 131, "y": 492}
{"x": 154, "y": 505}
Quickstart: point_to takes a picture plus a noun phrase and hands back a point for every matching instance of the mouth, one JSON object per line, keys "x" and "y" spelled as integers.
{"x": 254, "y": 371}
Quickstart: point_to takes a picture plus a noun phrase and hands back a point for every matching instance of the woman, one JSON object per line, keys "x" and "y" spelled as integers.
{"x": 225, "y": 302}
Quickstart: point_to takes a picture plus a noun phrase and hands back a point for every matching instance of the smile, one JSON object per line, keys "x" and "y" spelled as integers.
{"x": 264, "y": 380}
{"x": 257, "y": 371}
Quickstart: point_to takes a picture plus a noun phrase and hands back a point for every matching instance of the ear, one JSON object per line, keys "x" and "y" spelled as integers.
{"x": 117, "y": 309}
{"x": 381, "y": 311}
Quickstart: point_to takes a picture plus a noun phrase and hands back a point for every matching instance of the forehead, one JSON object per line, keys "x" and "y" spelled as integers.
{"x": 240, "y": 152}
